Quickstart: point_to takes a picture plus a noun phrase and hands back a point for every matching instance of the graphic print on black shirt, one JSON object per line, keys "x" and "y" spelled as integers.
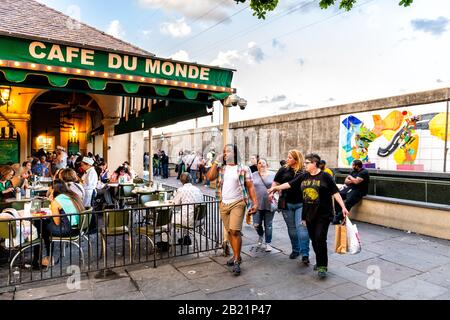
{"x": 317, "y": 192}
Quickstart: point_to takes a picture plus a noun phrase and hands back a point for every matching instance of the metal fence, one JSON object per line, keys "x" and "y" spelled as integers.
{"x": 98, "y": 241}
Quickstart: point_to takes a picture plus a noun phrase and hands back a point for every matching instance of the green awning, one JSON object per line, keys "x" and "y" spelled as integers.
{"x": 61, "y": 81}
{"x": 173, "y": 113}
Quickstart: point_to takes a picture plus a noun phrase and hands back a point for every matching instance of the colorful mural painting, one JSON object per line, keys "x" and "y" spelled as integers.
{"x": 409, "y": 138}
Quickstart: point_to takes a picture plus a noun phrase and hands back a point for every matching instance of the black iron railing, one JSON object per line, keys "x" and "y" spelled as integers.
{"x": 98, "y": 241}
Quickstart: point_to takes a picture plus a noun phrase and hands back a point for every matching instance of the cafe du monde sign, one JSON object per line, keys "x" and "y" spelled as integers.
{"x": 44, "y": 53}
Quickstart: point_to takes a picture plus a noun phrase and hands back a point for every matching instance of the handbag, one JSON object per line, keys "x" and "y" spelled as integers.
{"x": 273, "y": 203}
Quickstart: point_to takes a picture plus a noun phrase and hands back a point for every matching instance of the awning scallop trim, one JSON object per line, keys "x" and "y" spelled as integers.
{"x": 61, "y": 81}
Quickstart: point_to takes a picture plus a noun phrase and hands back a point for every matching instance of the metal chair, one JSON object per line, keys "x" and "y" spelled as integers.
{"x": 117, "y": 223}
{"x": 126, "y": 194}
{"x": 159, "y": 223}
{"x": 83, "y": 229}
{"x": 200, "y": 212}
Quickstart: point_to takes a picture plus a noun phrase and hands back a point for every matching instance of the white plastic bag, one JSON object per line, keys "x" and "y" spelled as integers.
{"x": 25, "y": 231}
{"x": 353, "y": 239}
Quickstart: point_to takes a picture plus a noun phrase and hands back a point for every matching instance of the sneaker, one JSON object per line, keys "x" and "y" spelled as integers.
{"x": 260, "y": 241}
{"x": 294, "y": 255}
{"x": 230, "y": 262}
{"x": 237, "y": 268}
{"x": 305, "y": 260}
{"x": 268, "y": 248}
{"x": 322, "y": 272}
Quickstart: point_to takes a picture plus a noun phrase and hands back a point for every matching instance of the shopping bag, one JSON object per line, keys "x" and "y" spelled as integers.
{"x": 340, "y": 239}
{"x": 353, "y": 238}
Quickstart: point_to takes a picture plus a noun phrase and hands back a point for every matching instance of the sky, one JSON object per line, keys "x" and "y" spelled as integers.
{"x": 300, "y": 57}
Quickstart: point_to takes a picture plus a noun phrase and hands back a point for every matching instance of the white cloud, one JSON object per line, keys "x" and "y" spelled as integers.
{"x": 177, "y": 29}
{"x": 226, "y": 59}
{"x": 115, "y": 29}
{"x": 180, "y": 55}
{"x": 211, "y": 10}
{"x": 146, "y": 33}
{"x": 255, "y": 54}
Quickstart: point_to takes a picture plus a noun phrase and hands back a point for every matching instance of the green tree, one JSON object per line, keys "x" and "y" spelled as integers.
{"x": 261, "y": 7}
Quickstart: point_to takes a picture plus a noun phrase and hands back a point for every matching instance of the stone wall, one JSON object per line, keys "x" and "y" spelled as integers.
{"x": 272, "y": 137}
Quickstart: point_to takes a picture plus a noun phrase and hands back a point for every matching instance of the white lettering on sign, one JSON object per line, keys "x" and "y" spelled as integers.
{"x": 126, "y": 63}
{"x": 153, "y": 66}
{"x": 55, "y": 53}
{"x": 181, "y": 70}
{"x": 87, "y": 57}
{"x": 193, "y": 72}
{"x": 168, "y": 68}
{"x": 114, "y": 61}
{"x": 204, "y": 74}
{"x": 32, "y": 50}
{"x": 72, "y": 53}
{"x": 39, "y": 50}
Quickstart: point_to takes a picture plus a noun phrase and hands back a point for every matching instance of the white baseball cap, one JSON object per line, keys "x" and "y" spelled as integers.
{"x": 88, "y": 160}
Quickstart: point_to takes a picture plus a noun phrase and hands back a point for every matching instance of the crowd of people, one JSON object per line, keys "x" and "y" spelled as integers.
{"x": 303, "y": 190}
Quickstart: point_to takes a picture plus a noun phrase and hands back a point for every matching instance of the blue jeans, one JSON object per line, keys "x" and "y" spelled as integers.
{"x": 193, "y": 174}
{"x": 297, "y": 232}
{"x": 267, "y": 217}
{"x": 165, "y": 170}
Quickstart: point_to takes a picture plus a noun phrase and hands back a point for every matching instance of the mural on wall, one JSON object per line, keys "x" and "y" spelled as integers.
{"x": 409, "y": 138}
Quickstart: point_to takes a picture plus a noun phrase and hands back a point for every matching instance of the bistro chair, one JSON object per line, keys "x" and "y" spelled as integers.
{"x": 126, "y": 194}
{"x": 8, "y": 230}
{"x": 197, "y": 229}
{"x": 79, "y": 232}
{"x": 117, "y": 223}
{"x": 159, "y": 223}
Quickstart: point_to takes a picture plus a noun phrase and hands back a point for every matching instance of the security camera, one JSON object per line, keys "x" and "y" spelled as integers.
{"x": 242, "y": 103}
{"x": 210, "y": 109}
{"x": 109, "y": 147}
{"x": 234, "y": 99}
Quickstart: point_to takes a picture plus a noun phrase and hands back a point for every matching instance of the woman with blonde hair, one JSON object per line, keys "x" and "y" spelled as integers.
{"x": 291, "y": 203}
{"x": 7, "y": 189}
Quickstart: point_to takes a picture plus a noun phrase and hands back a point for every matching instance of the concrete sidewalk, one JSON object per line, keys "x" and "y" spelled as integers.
{"x": 393, "y": 264}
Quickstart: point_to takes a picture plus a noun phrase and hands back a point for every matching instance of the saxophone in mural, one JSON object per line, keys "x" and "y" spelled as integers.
{"x": 400, "y": 129}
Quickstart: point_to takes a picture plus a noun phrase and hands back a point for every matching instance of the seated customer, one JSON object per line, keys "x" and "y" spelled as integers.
{"x": 119, "y": 174}
{"x": 187, "y": 194}
{"x": 356, "y": 187}
{"x": 42, "y": 167}
{"x": 7, "y": 189}
{"x": 70, "y": 177}
{"x": 63, "y": 202}
{"x": 21, "y": 180}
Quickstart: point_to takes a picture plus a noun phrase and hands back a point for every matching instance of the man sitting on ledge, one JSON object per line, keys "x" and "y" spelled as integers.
{"x": 356, "y": 187}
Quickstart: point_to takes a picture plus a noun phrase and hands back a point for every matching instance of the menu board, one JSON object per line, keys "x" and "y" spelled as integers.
{"x": 9, "y": 151}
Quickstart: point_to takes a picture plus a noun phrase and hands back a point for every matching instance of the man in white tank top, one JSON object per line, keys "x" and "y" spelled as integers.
{"x": 236, "y": 194}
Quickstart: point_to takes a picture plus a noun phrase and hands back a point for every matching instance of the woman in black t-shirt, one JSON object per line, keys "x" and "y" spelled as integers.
{"x": 292, "y": 213}
{"x": 318, "y": 189}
